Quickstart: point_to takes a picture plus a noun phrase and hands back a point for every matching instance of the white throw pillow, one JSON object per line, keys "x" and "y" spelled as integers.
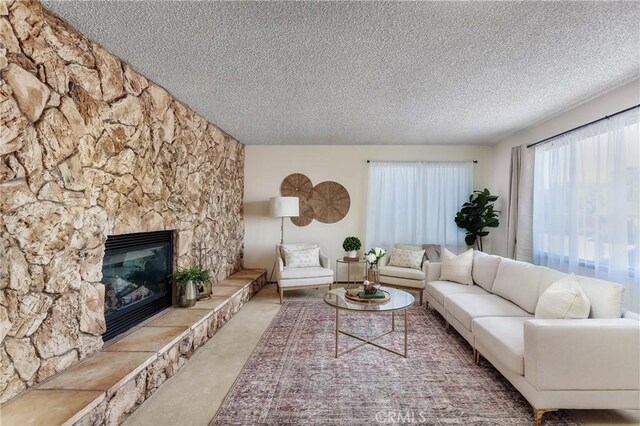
{"x": 485, "y": 268}
{"x": 406, "y": 258}
{"x": 302, "y": 258}
{"x": 563, "y": 299}
{"x": 457, "y": 268}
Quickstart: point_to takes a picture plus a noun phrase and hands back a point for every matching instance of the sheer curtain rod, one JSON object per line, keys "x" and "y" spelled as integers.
{"x": 606, "y": 117}
{"x": 443, "y": 161}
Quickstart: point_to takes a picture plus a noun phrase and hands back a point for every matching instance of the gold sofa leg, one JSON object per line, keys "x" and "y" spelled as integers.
{"x": 539, "y": 412}
{"x": 476, "y": 356}
{"x": 421, "y": 291}
{"x": 281, "y": 295}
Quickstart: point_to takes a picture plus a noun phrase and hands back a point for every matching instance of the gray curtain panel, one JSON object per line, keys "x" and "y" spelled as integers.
{"x": 520, "y": 210}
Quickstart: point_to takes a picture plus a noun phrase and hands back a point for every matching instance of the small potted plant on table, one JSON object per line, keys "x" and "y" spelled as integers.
{"x": 351, "y": 245}
{"x": 188, "y": 282}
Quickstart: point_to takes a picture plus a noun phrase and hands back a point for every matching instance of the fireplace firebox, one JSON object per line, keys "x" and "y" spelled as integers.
{"x": 136, "y": 273}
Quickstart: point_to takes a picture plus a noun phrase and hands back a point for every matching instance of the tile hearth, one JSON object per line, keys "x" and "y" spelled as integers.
{"x": 108, "y": 386}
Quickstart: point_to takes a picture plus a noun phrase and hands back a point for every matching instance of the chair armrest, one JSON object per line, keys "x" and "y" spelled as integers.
{"x": 432, "y": 273}
{"x": 280, "y": 268}
{"x": 384, "y": 261}
{"x": 325, "y": 262}
{"x": 586, "y": 354}
{"x": 425, "y": 269}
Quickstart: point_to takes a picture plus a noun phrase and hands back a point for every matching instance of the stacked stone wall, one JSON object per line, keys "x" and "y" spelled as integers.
{"x": 91, "y": 148}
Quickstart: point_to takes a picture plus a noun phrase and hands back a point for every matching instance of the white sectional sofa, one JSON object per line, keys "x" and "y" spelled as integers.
{"x": 589, "y": 363}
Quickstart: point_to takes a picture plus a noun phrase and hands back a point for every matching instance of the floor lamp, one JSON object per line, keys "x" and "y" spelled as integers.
{"x": 283, "y": 207}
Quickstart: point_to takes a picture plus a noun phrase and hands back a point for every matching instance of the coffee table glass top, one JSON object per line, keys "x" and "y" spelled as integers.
{"x": 399, "y": 300}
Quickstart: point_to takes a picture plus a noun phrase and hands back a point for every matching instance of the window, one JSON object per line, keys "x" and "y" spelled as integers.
{"x": 416, "y": 203}
{"x": 586, "y": 215}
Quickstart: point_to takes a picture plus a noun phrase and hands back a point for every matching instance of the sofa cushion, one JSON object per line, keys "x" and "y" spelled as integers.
{"x": 504, "y": 338}
{"x": 518, "y": 282}
{"x": 307, "y": 258}
{"x": 563, "y": 299}
{"x": 485, "y": 268}
{"x": 313, "y": 272}
{"x": 466, "y": 307}
{"x": 457, "y": 268}
{"x": 406, "y": 258}
{"x": 549, "y": 276}
{"x": 399, "y": 272}
{"x": 605, "y": 297}
{"x": 440, "y": 289}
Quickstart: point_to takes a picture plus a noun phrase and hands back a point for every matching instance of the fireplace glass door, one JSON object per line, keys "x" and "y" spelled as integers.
{"x": 136, "y": 271}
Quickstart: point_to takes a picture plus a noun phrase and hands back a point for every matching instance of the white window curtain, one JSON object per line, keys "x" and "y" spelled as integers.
{"x": 586, "y": 215}
{"x": 416, "y": 203}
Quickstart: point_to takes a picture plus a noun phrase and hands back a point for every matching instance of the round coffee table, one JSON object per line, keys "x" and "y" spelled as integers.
{"x": 399, "y": 301}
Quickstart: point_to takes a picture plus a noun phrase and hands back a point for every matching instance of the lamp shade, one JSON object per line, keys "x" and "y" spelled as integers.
{"x": 284, "y": 207}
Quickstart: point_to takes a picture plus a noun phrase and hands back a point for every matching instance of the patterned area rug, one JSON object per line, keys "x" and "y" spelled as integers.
{"x": 293, "y": 378}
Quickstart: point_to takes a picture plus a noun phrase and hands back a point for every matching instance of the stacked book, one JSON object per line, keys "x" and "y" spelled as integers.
{"x": 377, "y": 295}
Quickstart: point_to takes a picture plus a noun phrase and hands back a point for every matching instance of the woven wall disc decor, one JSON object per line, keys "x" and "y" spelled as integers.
{"x": 306, "y": 214}
{"x": 330, "y": 202}
{"x": 327, "y": 202}
{"x": 296, "y": 185}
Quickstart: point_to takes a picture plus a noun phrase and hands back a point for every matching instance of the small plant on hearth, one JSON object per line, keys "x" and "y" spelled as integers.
{"x": 196, "y": 274}
{"x": 187, "y": 280}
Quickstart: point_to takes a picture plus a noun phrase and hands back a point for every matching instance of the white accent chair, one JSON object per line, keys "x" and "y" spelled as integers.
{"x": 299, "y": 278}
{"x": 407, "y": 278}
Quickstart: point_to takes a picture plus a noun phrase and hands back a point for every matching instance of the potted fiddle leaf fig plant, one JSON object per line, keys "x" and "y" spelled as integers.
{"x": 351, "y": 245}
{"x": 188, "y": 281}
{"x": 476, "y": 215}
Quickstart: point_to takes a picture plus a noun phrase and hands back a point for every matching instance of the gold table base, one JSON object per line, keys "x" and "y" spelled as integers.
{"x": 371, "y": 341}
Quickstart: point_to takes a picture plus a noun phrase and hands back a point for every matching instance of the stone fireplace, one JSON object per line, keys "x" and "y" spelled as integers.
{"x": 136, "y": 274}
{"x": 89, "y": 148}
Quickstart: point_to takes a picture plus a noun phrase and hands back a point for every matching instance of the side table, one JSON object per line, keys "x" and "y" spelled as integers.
{"x": 349, "y": 264}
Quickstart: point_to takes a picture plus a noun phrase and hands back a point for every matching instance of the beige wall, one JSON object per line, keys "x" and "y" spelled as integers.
{"x": 616, "y": 100}
{"x": 267, "y": 166}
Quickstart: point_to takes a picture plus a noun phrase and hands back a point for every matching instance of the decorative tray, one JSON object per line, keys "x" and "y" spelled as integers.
{"x": 355, "y": 298}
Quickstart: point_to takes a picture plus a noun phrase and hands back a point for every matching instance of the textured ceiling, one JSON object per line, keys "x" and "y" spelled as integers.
{"x": 371, "y": 72}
